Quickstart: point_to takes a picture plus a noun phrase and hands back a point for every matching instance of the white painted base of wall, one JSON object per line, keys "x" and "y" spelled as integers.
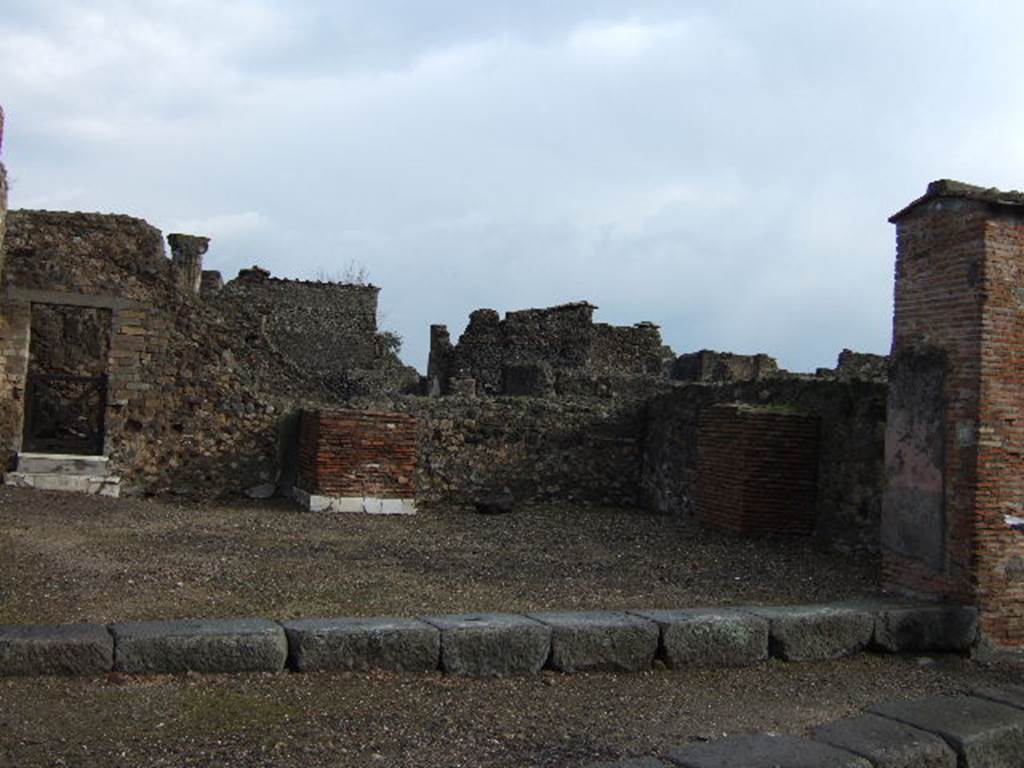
{"x": 361, "y": 504}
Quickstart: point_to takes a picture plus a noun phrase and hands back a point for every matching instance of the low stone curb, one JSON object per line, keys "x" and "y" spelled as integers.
{"x": 599, "y": 641}
{"x": 488, "y": 644}
{"x": 396, "y": 645}
{"x": 710, "y": 637}
{"x": 491, "y": 644}
{"x": 229, "y": 645}
{"x": 55, "y": 649}
{"x": 926, "y": 628}
{"x": 816, "y": 632}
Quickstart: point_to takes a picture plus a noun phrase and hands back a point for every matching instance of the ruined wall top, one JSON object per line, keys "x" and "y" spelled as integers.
{"x": 718, "y": 367}
{"x": 91, "y": 253}
{"x": 535, "y": 351}
{"x": 355, "y": 300}
{"x": 328, "y": 330}
{"x": 958, "y": 190}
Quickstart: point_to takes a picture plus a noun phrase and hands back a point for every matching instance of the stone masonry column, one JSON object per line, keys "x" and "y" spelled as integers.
{"x": 953, "y": 509}
{"x": 187, "y": 260}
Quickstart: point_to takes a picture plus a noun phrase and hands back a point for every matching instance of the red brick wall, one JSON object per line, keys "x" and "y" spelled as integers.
{"x": 357, "y": 453}
{"x": 757, "y": 469}
{"x": 997, "y": 548}
{"x": 959, "y": 281}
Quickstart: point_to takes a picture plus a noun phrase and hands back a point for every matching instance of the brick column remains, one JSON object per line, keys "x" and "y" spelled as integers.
{"x": 953, "y": 509}
{"x": 356, "y": 461}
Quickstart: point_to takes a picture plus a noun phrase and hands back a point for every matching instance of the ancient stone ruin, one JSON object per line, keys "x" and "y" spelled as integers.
{"x": 128, "y": 369}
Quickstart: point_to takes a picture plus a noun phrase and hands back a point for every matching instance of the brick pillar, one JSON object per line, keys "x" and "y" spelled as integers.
{"x": 952, "y": 512}
{"x": 187, "y": 260}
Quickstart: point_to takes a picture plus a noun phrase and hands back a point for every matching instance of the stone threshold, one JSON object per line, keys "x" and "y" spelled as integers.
{"x": 70, "y": 473}
{"x": 492, "y": 644}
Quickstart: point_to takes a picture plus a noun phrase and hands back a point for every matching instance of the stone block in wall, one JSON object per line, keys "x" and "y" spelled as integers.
{"x": 464, "y": 387}
{"x": 535, "y": 379}
{"x": 757, "y": 469}
{"x": 357, "y": 461}
{"x": 709, "y": 366}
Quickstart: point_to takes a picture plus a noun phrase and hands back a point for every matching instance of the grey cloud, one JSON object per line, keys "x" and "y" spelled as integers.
{"x": 723, "y": 169}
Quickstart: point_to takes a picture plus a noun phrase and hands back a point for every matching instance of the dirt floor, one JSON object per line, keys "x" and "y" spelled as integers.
{"x": 433, "y": 721}
{"x": 69, "y": 558}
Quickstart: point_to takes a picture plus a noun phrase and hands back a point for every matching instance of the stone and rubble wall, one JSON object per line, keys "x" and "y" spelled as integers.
{"x": 327, "y": 331}
{"x": 195, "y": 388}
{"x": 709, "y": 366}
{"x": 559, "y": 343}
{"x": 858, "y": 365}
{"x": 584, "y": 450}
{"x": 850, "y": 462}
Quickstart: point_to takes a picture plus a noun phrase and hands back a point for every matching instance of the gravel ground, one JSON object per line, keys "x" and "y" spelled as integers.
{"x": 68, "y": 558}
{"x": 429, "y": 720}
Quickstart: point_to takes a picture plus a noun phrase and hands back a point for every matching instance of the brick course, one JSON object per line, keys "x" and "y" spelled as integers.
{"x": 357, "y": 454}
{"x": 757, "y": 469}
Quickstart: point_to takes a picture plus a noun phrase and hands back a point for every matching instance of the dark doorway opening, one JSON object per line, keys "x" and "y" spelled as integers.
{"x": 66, "y": 391}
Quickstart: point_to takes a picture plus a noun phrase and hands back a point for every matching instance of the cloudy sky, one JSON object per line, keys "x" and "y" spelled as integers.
{"x": 724, "y": 168}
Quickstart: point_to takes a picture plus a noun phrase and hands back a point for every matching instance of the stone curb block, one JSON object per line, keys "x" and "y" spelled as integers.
{"x": 887, "y": 743}
{"x": 600, "y": 641}
{"x": 491, "y": 644}
{"x": 982, "y": 732}
{"x": 816, "y": 632}
{"x": 709, "y": 637}
{"x": 399, "y": 645}
{"x": 55, "y": 649}
{"x": 229, "y": 645}
{"x": 764, "y": 751}
{"x": 926, "y": 628}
